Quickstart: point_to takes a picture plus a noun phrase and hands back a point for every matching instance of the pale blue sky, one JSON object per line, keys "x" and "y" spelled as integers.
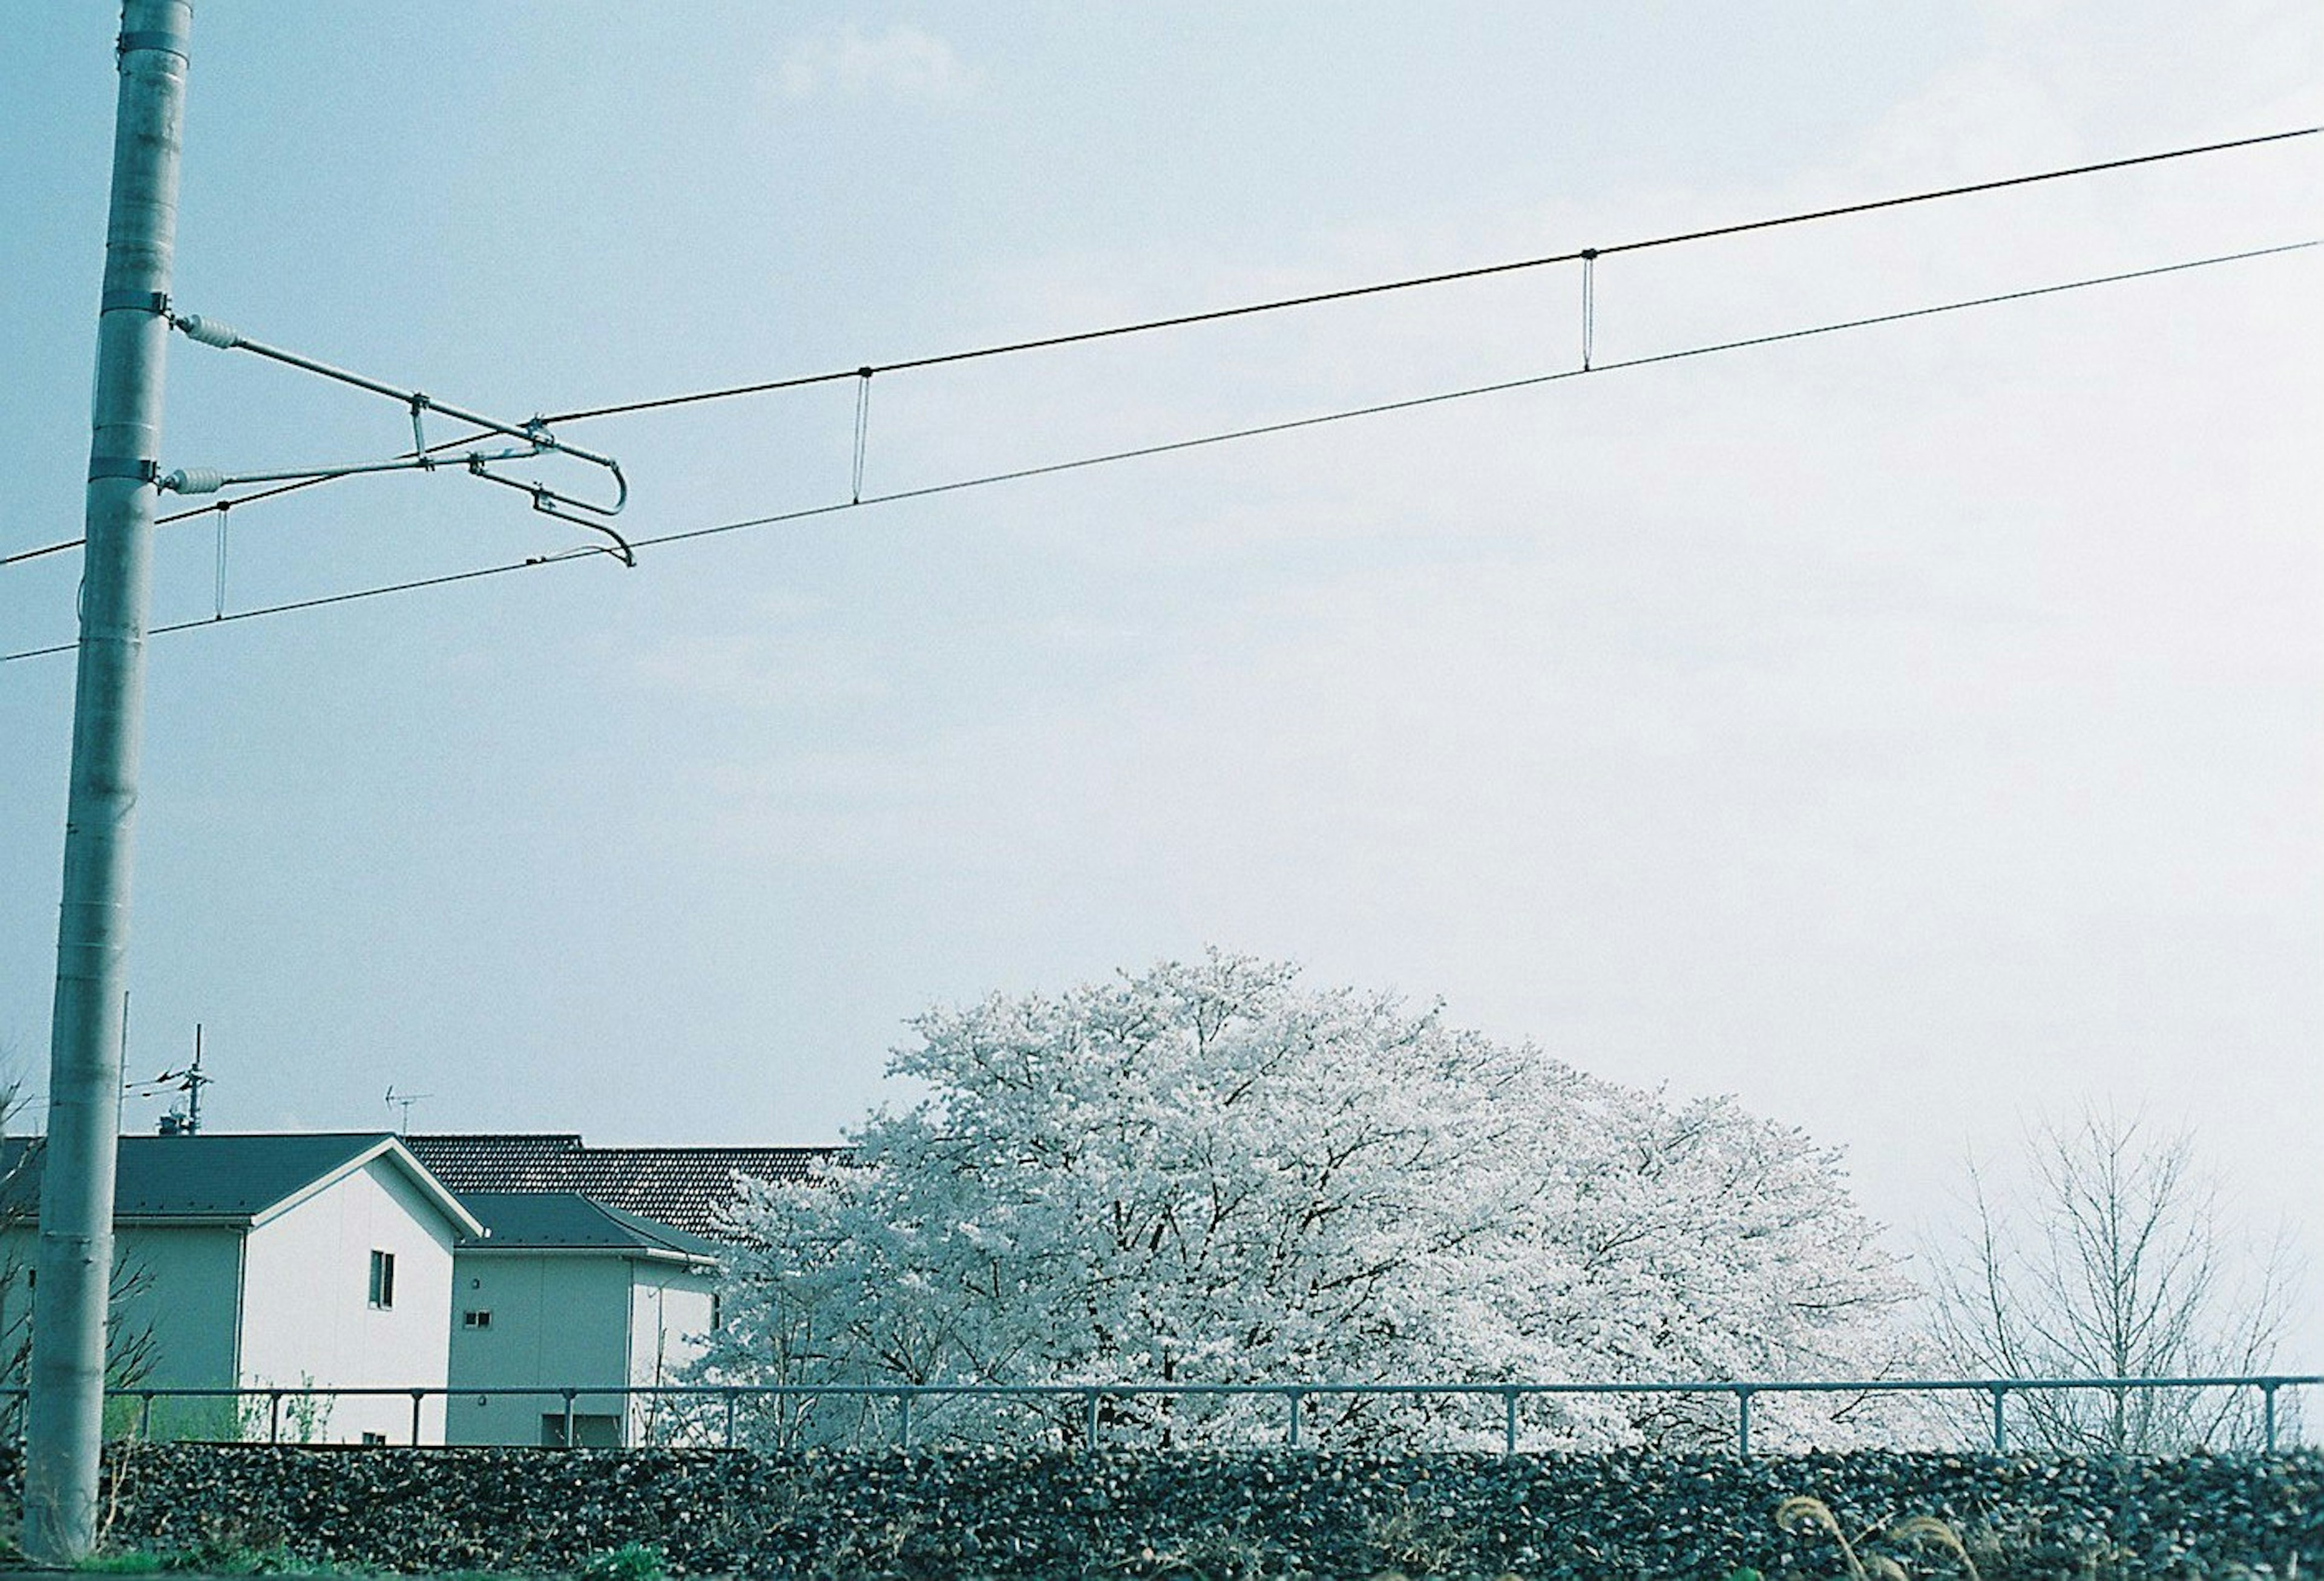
{"x": 1907, "y": 731}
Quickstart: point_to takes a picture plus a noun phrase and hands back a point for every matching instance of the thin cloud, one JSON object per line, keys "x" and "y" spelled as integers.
{"x": 903, "y": 63}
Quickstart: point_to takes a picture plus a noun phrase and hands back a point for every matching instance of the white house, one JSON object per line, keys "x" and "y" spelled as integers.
{"x": 564, "y": 1292}
{"x": 297, "y": 1261}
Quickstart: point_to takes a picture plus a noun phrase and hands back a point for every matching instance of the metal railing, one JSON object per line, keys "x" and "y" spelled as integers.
{"x": 722, "y": 1401}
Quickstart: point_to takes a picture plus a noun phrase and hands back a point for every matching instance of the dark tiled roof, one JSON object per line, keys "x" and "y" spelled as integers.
{"x": 569, "y": 1221}
{"x": 193, "y": 1177}
{"x": 488, "y": 1163}
{"x": 685, "y": 1188}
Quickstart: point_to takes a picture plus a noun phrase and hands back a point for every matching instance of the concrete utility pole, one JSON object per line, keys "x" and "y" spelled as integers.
{"x": 64, "y": 1419}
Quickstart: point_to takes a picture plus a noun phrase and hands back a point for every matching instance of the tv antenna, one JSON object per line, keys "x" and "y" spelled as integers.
{"x": 183, "y": 1119}
{"x": 404, "y": 1100}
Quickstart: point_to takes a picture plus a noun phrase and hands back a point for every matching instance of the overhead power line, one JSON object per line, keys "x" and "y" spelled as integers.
{"x": 1200, "y": 441}
{"x": 1274, "y": 304}
{"x": 1409, "y": 282}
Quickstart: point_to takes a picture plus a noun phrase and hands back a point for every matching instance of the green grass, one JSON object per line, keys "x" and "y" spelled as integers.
{"x": 632, "y": 1561}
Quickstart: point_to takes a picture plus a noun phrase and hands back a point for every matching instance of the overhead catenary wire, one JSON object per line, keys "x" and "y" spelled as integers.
{"x": 1587, "y": 255}
{"x": 1417, "y": 282}
{"x": 1166, "y": 447}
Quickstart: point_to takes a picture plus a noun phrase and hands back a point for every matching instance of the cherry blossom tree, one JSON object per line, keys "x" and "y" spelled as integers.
{"x": 1208, "y": 1173}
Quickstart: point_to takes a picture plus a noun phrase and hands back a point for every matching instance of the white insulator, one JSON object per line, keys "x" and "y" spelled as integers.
{"x": 195, "y": 480}
{"x": 209, "y": 331}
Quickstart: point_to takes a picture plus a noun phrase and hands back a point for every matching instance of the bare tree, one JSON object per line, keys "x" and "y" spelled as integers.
{"x": 2111, "y": 1259}
{"x": 130, "y": 1345}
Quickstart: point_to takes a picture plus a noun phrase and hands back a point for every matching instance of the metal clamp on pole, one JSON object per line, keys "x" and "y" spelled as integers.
{"x": 137, "y": 468}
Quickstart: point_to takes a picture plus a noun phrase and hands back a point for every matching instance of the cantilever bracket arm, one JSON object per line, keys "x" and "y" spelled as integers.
{"x": 533, "y": 437}
{"x": 549, "y": 503}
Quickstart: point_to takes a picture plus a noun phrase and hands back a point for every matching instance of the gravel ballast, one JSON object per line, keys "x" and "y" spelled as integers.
{"x": 973, "y": 1513}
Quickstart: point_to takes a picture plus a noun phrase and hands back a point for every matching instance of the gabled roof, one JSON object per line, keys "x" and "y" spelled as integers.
{"x": 566, "y": 1221}
{"x": 683, "y": 1188}
{"x": 246, "y": 1179}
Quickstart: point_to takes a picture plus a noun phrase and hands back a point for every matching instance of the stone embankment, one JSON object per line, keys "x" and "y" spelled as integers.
{"x": 1126, "y": 1513}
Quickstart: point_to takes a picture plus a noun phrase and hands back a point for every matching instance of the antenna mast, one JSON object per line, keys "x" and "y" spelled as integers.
{"x": 404, "y": 1100}
{"x": 184, "y": 1119}
{"x": 195, "y": 1082}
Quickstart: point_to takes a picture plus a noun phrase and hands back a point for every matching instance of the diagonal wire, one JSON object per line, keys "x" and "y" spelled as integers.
{"x": 1172, "y": 446}
{"x": 220, "y": 507}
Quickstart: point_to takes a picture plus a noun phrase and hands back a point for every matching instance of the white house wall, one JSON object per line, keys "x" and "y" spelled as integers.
{"x": 669, "y": 1323}
{"x": 558, "y": 1320}
{"x": 307, "y": 1315}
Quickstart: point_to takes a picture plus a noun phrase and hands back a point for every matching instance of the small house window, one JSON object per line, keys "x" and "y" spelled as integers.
{"x": 383, "y": 1280}
{"x": 476, "y": 1318}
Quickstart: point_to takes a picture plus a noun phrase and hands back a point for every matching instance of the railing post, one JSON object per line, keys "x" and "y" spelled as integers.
{"x": 1089, "y": 1421}
{"x": 1508, "y": 1422}
{"x": 730, "y": 1416}
{"x": 275, "y": 1417}
{"x": 145, "y": 1416}
{"x": 2000, "y": 1427}
{"x": 416, "y": 1395}
{"x": 1743, "y": 1422}
{"x": 903, "y": 1419}
{"x": 2267, "y": 1416}
{"x": 568, "y": 1419}
{"x": 1293, "y": 1398}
